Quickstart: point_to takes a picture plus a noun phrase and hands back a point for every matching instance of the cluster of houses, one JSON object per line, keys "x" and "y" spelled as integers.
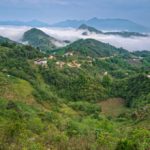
{"x": 43, "y": 61}
{"x": 68, "y": 54}
{"x": 72, "y": 64}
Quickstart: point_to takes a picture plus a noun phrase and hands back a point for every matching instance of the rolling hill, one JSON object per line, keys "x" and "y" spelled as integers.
{"x": 39, "y": 39}
{"x": 92, "y": 48}
{"x": 5, "y": 40}
{"x": 61, "y": 107}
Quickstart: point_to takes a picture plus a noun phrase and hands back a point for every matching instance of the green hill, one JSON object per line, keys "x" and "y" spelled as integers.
{"x": 92, "y": 48}
{"x": 90, "y": 29}
{"x": 39, "y": 39}
{"x": 136, "y": 90}
{"x": 4, "y": 40}
{"x": 62, "y": 105}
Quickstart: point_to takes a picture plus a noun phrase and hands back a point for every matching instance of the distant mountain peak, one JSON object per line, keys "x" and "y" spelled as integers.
{"x": 116, "y": 24}
{"x": 37, "y": 32}
{"x": 94, "y": 18}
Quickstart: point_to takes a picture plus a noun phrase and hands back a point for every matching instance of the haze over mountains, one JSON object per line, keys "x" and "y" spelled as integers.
{"x": 101, "y": 24}
{"x": 105, "y": 24}
{"x": 32, "y": 23}
{"x": 129, "y": 40}
{"x": 118, "y": 32}
{"x": 121, "y": 33}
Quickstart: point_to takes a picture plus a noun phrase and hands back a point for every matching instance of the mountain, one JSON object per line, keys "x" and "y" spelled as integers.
{"x": 127, "y": 34}
{"x": 69, "y": 23}
{"x": 33, "y": 23}
{"x": 38, "y": 38}
{"x": 92, "y": 48}
{"x": 121, "y": 33}
{"x": 90, "y": 29}
{"x": 105, "y": 24}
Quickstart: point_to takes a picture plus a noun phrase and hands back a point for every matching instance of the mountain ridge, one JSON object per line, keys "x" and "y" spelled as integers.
{"x": 32, "y": 23}
{"x": 112, "y": 24}
{"x": 121, "y": 33}
{"x": 105, "y": 24}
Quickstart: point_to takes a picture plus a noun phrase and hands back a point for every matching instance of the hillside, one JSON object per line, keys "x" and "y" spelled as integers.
{"x": 63, "y": 104}
{"x": 92, "y": 48}
{"x": 4, "y": 40}
{"x": 136, "y": 90}
{"x": 39, "y": 39}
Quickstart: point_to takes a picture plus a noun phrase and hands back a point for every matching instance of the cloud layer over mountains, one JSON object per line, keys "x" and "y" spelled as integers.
{"x": 131, "y": 44}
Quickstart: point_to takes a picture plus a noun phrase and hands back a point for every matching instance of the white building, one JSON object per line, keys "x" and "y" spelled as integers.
{"x": 148, "y": 76}
{"x": 68, "y": 54}
{"x": 42, "y": 62}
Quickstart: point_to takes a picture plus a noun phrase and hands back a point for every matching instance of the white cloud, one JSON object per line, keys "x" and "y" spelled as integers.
{"x": 13, "y": 33}
{"x": 131, "y": 44}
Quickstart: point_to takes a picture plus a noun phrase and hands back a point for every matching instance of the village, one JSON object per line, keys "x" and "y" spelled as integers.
{"x": 74, "y": 64}
{"x": 43, "y": 61}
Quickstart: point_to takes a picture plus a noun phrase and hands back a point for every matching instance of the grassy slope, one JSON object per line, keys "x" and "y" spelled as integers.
{"x": 113, "y": 107}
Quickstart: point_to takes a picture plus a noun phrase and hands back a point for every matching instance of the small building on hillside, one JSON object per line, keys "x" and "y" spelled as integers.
{"x": 105, "y": 73}
{"x": 148, "y": 76}
{"x": 74, "y": 64}
{"x": 60, "y": 64}
{"x": 41, "y": 62}
{"x": 68, "y": 54}
{"x": 51, "y": 57}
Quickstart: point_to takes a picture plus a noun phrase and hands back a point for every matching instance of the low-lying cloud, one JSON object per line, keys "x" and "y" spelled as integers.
{"x": 131, "y": 44}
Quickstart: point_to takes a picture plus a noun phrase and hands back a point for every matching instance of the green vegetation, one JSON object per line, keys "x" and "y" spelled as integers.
{"x": 136, "y": 90}
{"x": 92, "y": 48}
{"x": 90, "y": 29}
{"x": 39, "y": 39}
{"x": 101, "y": 104}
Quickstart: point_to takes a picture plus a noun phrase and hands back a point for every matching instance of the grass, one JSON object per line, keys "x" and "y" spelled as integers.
{"x": 16, "y": 89}
{"x": 113, "y": 107}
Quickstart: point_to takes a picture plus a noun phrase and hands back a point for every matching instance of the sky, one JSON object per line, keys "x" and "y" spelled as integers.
{"x": 52, "y": 11}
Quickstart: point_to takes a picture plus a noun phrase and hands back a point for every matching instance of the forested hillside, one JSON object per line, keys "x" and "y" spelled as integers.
{"x": 86, "y": 96}
{"x": 39, "y": 39}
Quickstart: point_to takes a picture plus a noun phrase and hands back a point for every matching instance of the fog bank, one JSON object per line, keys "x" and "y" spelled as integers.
{"x": 131, "y": 44}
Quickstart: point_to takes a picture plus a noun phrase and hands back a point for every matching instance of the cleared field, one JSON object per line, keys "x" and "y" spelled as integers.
{"x": 113, "y": 107}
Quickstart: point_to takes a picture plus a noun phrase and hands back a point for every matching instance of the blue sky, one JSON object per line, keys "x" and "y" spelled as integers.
{"x": 57, "y": 10}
